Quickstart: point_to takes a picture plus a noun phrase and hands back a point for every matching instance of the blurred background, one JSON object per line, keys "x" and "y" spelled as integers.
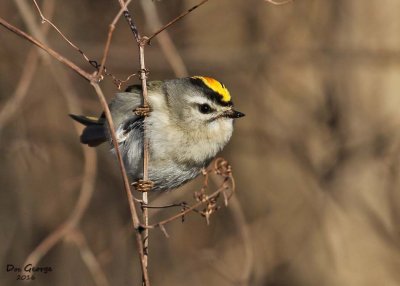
{"x": 316, "y": 159}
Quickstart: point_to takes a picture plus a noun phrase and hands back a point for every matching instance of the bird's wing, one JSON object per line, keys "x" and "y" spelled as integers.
{"x": 122, "y": 109}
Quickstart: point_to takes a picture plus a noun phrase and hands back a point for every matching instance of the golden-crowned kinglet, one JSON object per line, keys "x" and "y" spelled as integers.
{"x": 191, "y": 120}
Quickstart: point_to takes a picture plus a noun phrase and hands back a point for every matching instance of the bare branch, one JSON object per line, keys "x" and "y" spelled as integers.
{"x": 220, "y": 168}
{"x": 109, "y": 37}
{"x": 132, "y": 207}
{"x": 146, "y": 155}
{"x": 175, "y": 20}
{"x": 45, "y": 20}
{"x": 130, "y": 21}
{"x": 100, "y": 68}
{"x": 143, "y": 77}
{"x": 167, "y": 45}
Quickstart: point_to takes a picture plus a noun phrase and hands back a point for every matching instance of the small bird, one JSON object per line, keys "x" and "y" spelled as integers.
{"x": 191, "y": 120}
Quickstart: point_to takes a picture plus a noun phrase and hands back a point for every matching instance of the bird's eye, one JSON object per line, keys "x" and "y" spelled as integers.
{"x": 205, "y": 108}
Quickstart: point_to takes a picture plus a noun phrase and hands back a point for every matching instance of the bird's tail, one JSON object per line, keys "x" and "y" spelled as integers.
{"x": 95, "y": 132}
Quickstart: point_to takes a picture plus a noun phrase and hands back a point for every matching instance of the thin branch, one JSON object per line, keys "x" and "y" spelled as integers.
{"x": 132, "y": 207}
{"x": 103, "y": 102}
{"x": 100, "y": 68}
{"x": 143, "y": 77}
{"x": 109, "y": 37}
{"x": 146, "y": 155}
{"x": 222, "y": 169}
{"x": 186, "y": 210}
{"x": 164, "y": 39}
{"x": 130, "y": 21}
{"x": 45, "y": 20}
{"x": 142, "y": 41}
{"x": 175, "y": 20}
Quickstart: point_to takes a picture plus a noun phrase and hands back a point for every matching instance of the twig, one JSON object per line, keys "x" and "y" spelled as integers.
{"x": 132, "y": 207}
{"x": 45, "y": 20}
{"x": 146, "y": 154}
{"x": 175, "y": 20}
{"x": 100, "y": 68}
{"x": 109, "y": 37}
{"x": 228, "y": 183}
{"x": 164, "y": 40}
{"x": 130, "y": 21}
{"x": 162, "y": 227}
{"x": 186, "y": 210}
{"x": 141, "y": 41}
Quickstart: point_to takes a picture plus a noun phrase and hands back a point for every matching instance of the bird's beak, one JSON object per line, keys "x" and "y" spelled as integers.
{"x": 231, "y": 113}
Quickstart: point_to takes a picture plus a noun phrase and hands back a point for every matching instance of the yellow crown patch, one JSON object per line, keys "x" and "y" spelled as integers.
{"x": 216, "y": 86}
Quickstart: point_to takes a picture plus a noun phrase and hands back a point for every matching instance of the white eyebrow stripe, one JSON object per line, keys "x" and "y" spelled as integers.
{"x": 199, "y": 100}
